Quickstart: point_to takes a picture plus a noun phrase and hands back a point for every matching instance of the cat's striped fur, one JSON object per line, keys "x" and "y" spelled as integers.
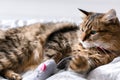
{"x": 101, "y": 41}
{"x": 21, "y": 49}
{"x": 96, "y": 43}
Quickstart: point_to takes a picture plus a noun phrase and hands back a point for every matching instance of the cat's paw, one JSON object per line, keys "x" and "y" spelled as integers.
{"x": 15, "y": 76}
{"x": 11, "y": 75}
{"x": 79, "y": 64}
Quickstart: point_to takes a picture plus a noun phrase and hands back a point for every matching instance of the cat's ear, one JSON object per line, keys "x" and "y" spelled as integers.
{"x": 84, "y": 13}
{"x": 110, "y": 16}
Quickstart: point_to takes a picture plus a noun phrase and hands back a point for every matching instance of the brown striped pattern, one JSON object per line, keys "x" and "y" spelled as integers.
{"x": 100, "y": 40}
{"x": 21, "y": 49}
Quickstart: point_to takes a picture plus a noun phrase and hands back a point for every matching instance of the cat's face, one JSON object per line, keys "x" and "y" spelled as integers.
{"x": 99, "y": 29}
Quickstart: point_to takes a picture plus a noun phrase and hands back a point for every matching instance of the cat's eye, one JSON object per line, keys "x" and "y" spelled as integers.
{"x": 93, "y": 32}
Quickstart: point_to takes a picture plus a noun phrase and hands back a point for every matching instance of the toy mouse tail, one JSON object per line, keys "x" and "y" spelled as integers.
{"x": 64, "y": 63}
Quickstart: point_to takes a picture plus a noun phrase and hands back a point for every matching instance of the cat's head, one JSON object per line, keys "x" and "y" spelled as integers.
{"x": 99, "y": 29}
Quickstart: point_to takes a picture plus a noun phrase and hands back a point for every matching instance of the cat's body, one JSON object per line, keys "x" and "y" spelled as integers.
{"x": 21, "y": 49}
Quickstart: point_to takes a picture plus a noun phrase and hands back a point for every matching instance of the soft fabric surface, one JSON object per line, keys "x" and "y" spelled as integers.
{"x": 67, "y": 75}
{"x": 109, "y": 71}
{"x": 43, "y": 71}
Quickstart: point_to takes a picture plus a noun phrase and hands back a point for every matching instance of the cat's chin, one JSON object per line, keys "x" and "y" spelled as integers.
{"x": 87, "y": 45}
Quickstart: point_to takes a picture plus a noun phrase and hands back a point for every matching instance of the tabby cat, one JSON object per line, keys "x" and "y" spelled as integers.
{"x": 21, "y": 49}
{"x": 96, "y": 42}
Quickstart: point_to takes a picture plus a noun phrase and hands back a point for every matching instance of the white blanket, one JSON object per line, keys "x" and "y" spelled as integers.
{"x": 109, "y": 71}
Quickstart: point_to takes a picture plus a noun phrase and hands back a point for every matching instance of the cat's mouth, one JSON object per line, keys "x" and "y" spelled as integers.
{"x": 87, "y": 44}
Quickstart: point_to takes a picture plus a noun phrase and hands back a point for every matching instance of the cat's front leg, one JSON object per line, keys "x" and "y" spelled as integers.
{"x": 84, "y": 61}
{"x": 79, "y": 63}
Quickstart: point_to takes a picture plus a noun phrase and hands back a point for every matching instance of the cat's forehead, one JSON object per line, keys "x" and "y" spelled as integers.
{"x": 95, "y": 16}
{"x": 92, "y": 18}
{"x": 91, "y": 21}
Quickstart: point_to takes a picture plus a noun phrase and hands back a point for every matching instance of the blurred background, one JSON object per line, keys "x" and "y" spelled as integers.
{"x": 53, "y": 9}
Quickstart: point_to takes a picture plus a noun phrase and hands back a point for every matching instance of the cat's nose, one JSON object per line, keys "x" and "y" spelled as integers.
{"x": 83, "y": 36}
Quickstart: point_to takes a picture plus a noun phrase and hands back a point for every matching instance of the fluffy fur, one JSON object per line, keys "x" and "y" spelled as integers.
{"x": 99, "y": 36}
{"x": 21, "y": 49}
{"x": 96, "y": 42}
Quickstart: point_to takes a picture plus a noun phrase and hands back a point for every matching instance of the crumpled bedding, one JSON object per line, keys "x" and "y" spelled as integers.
{"x": 109, "y": 71}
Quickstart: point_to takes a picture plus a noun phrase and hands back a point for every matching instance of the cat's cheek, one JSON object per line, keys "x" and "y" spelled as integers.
{"x": 94, "y": 37}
